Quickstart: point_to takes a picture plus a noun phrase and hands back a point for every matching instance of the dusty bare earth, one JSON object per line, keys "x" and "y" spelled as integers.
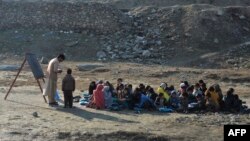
{"x": 142, "y": 41}
{"x": 81, "y": 123}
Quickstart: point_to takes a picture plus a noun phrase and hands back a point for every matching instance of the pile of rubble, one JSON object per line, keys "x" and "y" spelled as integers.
{"x": 78, "y": 17}
{"x": 155, "y": 35}
{"x": 160, "y": 35}
{"x": 239, "y": 56}
{"x": 128, "y": 4}
{"x": 131, "y": 47}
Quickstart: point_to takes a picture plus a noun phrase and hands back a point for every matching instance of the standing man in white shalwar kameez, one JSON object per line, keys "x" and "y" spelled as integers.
{"x": 51, "y": 78}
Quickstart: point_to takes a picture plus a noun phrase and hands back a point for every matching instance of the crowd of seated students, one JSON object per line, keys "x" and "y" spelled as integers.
{"x": 186, "y": 99}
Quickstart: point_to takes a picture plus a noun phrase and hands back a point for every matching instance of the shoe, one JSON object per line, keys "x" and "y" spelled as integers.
{"x": 53, "y": 104}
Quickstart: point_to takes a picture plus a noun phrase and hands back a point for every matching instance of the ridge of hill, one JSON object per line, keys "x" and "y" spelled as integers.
{"x": 196, "y": 35}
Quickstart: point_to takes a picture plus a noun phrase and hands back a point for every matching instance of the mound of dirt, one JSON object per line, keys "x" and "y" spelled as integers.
{"x": 197, "y": 35}
{"x": 196, "y": 26}
{"x": 163, "y": 3}
{"x": 77, "y": 17}
{"x": 128, "y": 4}
{"x": 193, "y": 35}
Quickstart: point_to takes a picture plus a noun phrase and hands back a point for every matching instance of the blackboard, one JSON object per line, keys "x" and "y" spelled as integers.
{"x": 34, "y": 65}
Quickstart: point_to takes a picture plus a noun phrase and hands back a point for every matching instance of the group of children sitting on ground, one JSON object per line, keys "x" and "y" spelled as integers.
{"x": 187, "y": 98}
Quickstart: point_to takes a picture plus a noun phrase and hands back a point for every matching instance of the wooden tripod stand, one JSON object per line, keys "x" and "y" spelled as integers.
{"x": 33, "y": 63}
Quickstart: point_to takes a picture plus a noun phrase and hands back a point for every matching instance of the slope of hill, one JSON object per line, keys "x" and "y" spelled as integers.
{"x": 197, "y": 35}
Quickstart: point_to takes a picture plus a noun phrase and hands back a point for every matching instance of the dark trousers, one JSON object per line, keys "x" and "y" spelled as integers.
{"x": 68, "y": 98}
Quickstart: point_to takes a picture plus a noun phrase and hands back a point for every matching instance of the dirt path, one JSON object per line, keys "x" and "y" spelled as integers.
{"x": 80, "y": 123}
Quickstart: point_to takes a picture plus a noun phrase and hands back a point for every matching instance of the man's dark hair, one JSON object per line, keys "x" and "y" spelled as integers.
{"x": 231, "y": 90}
{"x": 197, "y": 85}
{"x": 186, "y": 83}
{"x": 148, "y": 87}
{"x": 69, "y": 71}
{"x": 211, "y": 88}
{"x": 189, "y": 89}
{"x": 62, "y": 56}
{"x": 121, "y": 86}
{"x": 119, "y": 79}
{"x": 171, "y": 88}
{"x": 141, "y": 86}
{"x": 130, "y": 86}
{"x": 201, "y": 81}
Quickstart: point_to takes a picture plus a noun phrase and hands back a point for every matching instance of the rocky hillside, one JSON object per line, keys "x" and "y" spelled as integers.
{"x": 62, "y": 16}
{"x": 128, "y": 4}
{"x": 198, "y": 35}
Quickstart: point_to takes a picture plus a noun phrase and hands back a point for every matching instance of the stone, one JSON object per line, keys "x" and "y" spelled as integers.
{"x": 9, "y": 67}
{"x": 157, "y": 31}
{"x": 35, "y": 114}
{"x": 242, "y": 17}
{"x": 231, "y": 61}
{"x": 158, "y": 42}
{"x": 146, "y": 53}
{"x": 216, "y": 41}
{"x": 246, "y": 29}
{"x": 100, "y": 70}
{"x": 88, "y": 67}
{"x": 137, "y": 51}
{"x": 111, "y": 52}
{"x": 153, "y": 11}
{"x": 101, "y": 54}
{"x": 113, "y": 56}
{"x": 71, "y": 44}
{"x": 44, "y": 60}
{"x": 109, "y": 48}
{"x": 127, "y": 56}
{"x": 241, "y": 59}
{"x": 187, "y": 34}
{"x": 144, "y": 42}
{"x": 139, "y": 39}
{"x": 219, "y": 13}
{"x": 151, "y": 42}
{"x": 173, "y": 38}
{"x": 135, "y": 23}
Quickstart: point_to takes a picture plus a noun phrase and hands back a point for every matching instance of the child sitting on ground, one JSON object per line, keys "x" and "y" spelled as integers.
{"x": 151, "y": 93}
{"x": 212, "y": 100}
{"x": 174, "y": 100}
{"x": 68, "y": 86}
{"x": 107, "y": 96}
{"x": 184, "y": 102}
{"x": 160, "y": 101}
{"x": 232, "y": 101}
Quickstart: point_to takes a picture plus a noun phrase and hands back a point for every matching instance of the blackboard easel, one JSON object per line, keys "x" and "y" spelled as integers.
{"x": 36, "y": 70}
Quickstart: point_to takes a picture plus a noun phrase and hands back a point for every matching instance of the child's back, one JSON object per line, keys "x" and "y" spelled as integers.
{"x": 68, "y": 83}
{"x": 68, "y": 86}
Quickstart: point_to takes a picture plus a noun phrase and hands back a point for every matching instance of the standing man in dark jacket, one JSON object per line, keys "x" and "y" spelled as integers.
{"x": 68, "y": 86}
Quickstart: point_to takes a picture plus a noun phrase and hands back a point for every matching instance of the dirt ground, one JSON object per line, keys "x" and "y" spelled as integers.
{"x": 81, "y": 123}
{"x": 188, "y": 37}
